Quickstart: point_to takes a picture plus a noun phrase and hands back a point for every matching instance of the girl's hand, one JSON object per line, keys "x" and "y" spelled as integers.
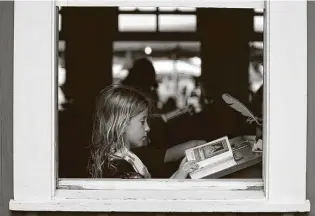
{"x": 185, "y": 168}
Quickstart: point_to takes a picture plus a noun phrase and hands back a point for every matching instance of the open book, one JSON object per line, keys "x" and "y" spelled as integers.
{"x": 212, "y": 157}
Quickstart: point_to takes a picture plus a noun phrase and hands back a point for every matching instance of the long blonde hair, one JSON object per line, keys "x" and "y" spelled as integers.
{"x": 115, "y": 107}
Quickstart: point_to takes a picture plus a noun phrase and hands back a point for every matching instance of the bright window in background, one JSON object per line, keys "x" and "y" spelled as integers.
{"x": 136, "y": 22}
{"x": 177, "y": 22}
{"x": 59, "y": 22}
{"x": 163, "y": 19}
{"x": 258, "y": 23}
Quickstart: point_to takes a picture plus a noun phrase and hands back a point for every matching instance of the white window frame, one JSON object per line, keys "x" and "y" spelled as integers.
{"x": 283, "y": 187}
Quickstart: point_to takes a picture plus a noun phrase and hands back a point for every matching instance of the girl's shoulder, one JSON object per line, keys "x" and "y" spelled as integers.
{"x": 123, "y": 170}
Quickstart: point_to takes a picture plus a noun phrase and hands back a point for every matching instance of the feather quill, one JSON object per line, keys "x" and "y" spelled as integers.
{"x": 240, "y": 107}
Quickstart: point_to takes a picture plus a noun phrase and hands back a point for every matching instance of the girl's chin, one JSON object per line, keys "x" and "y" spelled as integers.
{"x": 144, "y": 143}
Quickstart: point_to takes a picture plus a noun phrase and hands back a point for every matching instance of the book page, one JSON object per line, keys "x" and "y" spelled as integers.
{"x": 211, "y": 152}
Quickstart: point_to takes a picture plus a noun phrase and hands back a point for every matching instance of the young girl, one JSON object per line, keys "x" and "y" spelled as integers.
{"x": 120, "y": 125}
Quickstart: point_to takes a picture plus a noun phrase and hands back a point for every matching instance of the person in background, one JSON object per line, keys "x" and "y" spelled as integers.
{"x": 142, "y": 76}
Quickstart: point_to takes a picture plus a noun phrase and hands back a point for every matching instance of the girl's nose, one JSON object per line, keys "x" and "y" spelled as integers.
{"x": 146, "y": 128}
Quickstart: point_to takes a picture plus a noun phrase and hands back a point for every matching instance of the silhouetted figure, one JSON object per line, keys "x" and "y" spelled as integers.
{"x": 142, "y": 76}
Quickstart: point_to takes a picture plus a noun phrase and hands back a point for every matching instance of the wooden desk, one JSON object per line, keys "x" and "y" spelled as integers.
{"x": 249, "y": 159}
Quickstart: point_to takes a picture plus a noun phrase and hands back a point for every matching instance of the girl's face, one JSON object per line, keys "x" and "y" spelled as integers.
{"x": 137, "y": 130}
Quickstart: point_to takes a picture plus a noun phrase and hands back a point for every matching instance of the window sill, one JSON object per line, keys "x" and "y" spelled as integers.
{"x": 159, "y": 205}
